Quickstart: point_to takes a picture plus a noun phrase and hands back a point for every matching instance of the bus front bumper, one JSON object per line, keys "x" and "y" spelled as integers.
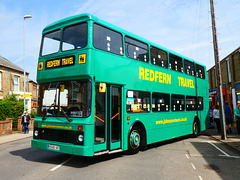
{"x": 62, "y": 147}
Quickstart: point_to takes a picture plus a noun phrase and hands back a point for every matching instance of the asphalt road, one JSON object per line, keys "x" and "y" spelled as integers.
{"x": 184, "y": 158}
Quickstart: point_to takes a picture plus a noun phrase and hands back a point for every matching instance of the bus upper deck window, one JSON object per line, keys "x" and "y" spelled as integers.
{"x": 107, "y": 39}
{"x": 175, "y": 63}
{"x": 136, "y": 49}
{"x": 158, "y": 57}
{"x": 74, "y": 37}
{"x": 200, "y": 72}
{"x": 189, "y": 67}
{"x": 50, "y": 43}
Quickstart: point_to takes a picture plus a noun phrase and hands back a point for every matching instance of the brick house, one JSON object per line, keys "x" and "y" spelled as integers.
{"x": 12, "y": 81}
{"x": 31, "y": 86}
{"x": 230, "y": 69}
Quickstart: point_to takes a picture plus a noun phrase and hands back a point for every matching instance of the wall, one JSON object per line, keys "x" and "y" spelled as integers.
{"x": 234, "y": 65}
{"x": 20, "y": 127}
{"x": 6, "y": 126}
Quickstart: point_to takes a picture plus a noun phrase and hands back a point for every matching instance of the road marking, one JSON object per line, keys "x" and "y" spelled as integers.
{"x": 200, "y": 178}
{"x": 193, "y": 166}
{"x": 236, "y": 157}
{"x": 58, "y": 166}
{"x": 226, "y": 154}
{"x": 187, "y": 156}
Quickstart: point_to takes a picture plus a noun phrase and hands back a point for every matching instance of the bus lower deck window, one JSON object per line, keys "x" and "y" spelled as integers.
{"x": 138, "y": 101}
{"x": 178, "y": 102}
{"x": 160, "y": 102}
{"x": 191, "y": 103}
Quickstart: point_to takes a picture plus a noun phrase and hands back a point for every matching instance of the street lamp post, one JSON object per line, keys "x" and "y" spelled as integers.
{"x": 24, "y": 74}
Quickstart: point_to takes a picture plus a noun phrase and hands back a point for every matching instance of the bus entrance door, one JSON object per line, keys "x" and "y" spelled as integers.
{"x": 108, "y": 119}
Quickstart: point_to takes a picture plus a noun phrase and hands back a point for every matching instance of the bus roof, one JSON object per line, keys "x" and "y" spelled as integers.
{"x": 86, "y": 16}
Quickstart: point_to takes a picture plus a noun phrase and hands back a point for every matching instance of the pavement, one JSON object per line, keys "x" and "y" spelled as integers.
{"x": 233, "y": 140}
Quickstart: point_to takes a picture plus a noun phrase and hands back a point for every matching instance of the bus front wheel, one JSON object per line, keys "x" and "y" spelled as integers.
{"x": 134, "y": 140}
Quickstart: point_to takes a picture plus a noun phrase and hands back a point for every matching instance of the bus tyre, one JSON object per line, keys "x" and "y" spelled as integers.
{"x": 196, "y": 128}
{"x": 134, "y": 140}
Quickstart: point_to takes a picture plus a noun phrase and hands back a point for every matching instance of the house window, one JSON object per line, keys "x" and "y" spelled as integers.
{"x": 16, "y": 83}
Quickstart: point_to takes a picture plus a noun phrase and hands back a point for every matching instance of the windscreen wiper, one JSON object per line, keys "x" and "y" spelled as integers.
{"x": 44, "y": 116}
{"x": 70, "y": 120}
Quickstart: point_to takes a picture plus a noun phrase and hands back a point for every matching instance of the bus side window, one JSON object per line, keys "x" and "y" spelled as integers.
{"x": 189, "y": 67}
{"x": 200, "y": 72}
{"x": 176, "y": 63}
{"x": 177, "y": 102}
{"x": 191, "y": 103}
{"x": 136, "y": 49}
{"x": 158, "y": 57}
{"x": 160, "y": 102}
{"x": 200, "y": 103}
{"x": 107, "y": 39}
{"x": 138, "y": 101}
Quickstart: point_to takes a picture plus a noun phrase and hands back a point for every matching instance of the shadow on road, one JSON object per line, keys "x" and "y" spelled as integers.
{"x": 49, "y": 157}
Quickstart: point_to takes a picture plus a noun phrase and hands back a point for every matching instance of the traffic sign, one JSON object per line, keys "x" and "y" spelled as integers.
{"x": 26, "y": 95}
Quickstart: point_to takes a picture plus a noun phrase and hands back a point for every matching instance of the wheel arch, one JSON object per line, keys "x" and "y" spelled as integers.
{"x": 143, "y": 132}
{"x": 196, "y": 119}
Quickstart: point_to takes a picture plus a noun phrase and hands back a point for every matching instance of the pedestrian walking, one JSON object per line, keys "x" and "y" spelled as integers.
{"x": 237, "y": 117}
{"x": 216, "y": 117}
{"x": 25, "y": 122}
{"x": 211, "y": 119}
{"x": 228, "y": 117}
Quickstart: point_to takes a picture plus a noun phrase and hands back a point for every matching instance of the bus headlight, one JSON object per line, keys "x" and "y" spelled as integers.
{"x": 80, "y": 138}
{"x": 36, "y": 133}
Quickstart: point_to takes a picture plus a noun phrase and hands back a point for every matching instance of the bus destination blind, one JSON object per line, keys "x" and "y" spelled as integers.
{"x": 60, "y": 62}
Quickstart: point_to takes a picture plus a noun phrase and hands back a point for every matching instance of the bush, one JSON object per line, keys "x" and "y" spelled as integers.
{"x": 10, "y": 107}
{"x": 33, "y": 114}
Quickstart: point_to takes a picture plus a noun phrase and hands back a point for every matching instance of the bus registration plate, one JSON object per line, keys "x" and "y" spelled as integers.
{"x": 53, "y": 147}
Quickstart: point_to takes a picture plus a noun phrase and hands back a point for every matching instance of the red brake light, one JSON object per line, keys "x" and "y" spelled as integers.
{"x": 36, "y": 124}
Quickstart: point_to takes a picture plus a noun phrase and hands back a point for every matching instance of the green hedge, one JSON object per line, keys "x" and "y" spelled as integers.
{"x": 10, "y": 107}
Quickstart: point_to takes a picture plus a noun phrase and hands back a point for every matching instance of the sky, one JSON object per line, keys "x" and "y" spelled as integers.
{"x": 183, "y": 26}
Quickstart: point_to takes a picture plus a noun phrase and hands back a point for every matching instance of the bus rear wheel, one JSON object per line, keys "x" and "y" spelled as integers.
{"x": 134, "y": 140}
{"x": 196, "y": 128}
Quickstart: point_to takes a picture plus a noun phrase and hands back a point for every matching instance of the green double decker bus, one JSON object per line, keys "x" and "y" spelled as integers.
{"x": 104, "y": 90}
